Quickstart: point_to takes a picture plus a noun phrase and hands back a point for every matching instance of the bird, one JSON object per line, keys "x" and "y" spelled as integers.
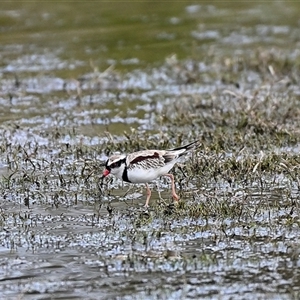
{"x": 146, "y": 165}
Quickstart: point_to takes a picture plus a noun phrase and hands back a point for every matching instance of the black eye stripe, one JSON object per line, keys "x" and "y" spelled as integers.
{"x": 117, "y": 163}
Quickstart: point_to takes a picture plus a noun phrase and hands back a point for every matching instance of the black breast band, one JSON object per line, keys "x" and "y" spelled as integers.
{"x": 125, "y": 175}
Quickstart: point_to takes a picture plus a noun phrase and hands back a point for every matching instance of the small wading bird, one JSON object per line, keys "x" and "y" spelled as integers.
{"x": 146, "y": 165}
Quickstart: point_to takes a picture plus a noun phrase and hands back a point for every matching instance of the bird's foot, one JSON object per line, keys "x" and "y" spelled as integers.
{"x": 175, "y": 197}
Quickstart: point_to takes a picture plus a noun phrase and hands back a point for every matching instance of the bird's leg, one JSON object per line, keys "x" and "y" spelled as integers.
{"x": 174, "y": 195}
{"x": 148, "y": 195}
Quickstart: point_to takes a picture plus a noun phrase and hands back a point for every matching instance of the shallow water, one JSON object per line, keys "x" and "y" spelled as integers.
{"x": 80, "y": 81}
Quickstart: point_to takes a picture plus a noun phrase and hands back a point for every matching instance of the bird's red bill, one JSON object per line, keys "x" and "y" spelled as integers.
{"x": 105, "y": 172}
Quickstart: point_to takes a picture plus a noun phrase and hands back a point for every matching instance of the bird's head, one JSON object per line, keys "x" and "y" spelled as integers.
{"x": 115, "y": 165}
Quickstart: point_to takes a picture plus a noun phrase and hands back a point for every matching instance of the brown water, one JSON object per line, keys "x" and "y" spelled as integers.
{"x": 72, "y": 74}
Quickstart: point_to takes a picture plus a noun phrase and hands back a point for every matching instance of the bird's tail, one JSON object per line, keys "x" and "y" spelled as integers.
{"x": 187, "y": 147}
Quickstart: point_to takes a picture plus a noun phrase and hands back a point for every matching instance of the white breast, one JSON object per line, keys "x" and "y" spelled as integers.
{"x": 140, "y": 175}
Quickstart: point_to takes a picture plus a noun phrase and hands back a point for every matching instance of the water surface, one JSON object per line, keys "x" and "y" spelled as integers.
{"x": 82, "y": 80}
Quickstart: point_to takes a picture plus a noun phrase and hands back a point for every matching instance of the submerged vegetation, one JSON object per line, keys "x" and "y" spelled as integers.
{"x": 239, "y": 192}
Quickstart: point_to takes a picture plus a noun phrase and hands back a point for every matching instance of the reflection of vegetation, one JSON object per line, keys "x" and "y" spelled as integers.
{"x": 239, "y": 191}
{"x": 233, "y": 84}
{"x": 245, "y": 131}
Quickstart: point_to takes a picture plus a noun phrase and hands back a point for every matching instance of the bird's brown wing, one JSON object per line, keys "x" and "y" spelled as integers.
{"x": 147, "y": 159}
